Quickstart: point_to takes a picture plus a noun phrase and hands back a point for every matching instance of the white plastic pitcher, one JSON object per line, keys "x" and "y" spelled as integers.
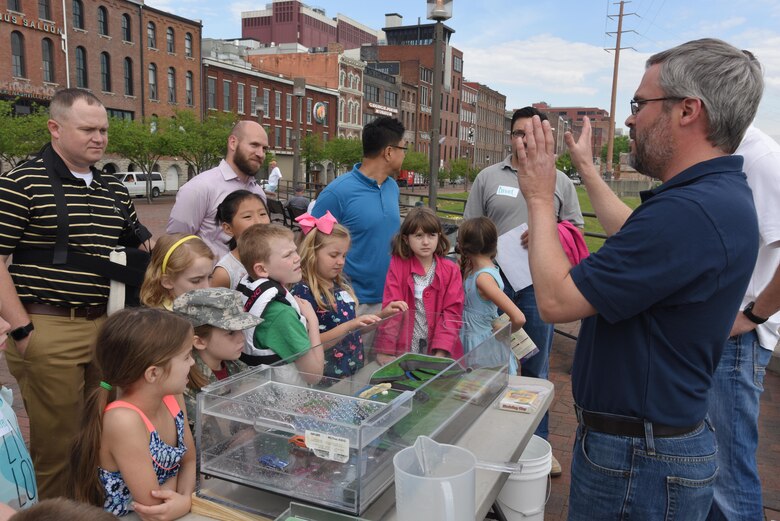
{"x": 525, "y": 493}
{"x": 434, "y": 481}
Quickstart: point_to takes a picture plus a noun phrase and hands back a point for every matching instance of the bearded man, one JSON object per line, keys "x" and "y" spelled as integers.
{"x": 196, "y": 204}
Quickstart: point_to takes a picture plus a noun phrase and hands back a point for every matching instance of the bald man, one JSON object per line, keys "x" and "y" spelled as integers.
{"x": 196, "y": 204}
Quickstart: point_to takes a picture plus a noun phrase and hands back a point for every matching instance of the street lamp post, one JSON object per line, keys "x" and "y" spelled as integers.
{"x": 438, "y": 10}
{"x": 299, "y": 91}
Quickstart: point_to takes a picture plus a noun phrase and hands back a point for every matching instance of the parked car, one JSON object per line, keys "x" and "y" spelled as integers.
{"x": 135, "y": 182}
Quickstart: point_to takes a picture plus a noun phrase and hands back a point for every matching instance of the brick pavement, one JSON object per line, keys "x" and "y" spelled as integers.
{"x": 562, "y": 420}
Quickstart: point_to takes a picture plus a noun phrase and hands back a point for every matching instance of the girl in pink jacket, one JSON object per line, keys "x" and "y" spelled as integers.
{"x": 430, "y": 284}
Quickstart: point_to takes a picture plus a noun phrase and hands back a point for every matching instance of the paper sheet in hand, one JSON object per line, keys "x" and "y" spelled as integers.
{"x": 513, "y": 258}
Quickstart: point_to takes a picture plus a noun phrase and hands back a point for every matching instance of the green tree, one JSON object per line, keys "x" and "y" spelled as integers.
{"x": 620, "y": 146}
{"x": 459, "y": 169}
{"x": 416, "y": 162}
{"x": 143, "y": 143}
{"x": 21, "y": 136}
{"x": 343, "y": 152}
{"x": 312, "y": 151}
{"x": 200, "y": 144}
{"x": 563, "y": 163}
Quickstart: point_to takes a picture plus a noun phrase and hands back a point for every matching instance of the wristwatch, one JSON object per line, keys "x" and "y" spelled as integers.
{"x": 748, "y": 312}
{"x": 20, "y": 333}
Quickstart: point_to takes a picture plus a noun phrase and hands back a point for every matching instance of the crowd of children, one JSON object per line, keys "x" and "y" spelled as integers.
{"x": 268, "y": 301}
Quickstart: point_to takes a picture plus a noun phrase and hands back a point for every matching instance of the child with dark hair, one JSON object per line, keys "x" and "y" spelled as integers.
{"x": 429, "y": 283}
{"x": 240, "y": 210}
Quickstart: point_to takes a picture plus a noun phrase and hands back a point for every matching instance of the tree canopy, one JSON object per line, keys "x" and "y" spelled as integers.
{"x": 621, "y": 145}
{"x": 21, "y": 136}
{"x": 343, "y": 152}
{"x": 200, "y": 144}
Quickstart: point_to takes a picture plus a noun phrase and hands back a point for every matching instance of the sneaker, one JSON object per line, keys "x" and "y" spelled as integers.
{"x": 556, "y": 470}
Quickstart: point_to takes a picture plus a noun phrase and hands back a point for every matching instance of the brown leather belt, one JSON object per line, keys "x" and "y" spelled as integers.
{"x": 88, "y": 312}
{"x": 627, "y": 425}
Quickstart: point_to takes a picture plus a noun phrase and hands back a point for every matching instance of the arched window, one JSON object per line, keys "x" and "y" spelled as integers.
{"x": 47, "y": 60}
{"x": 188, "y": 45}
{"x": 188, "y": 89}
{"x": 81, "y": 67}
{"x": 152, "y": 81}
{"x": 78, "y": 14}
{"x": 128, "y": 77}
{"x": 44, "y": 10}
{"x": 151, "y": 35}
{"x": 170, "y": 40}
{"x": 105, "y": 72}
{"x": 171, "y": 85}
{"x": 127, "y": 28}
{"x": 341, "y": 110}
{"x": 102, "y": 21}
{"x": 17, "y": 55}
{"x": 342, "y": 76}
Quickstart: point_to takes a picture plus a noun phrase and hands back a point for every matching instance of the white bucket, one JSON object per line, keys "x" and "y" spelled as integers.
{"x": 525, "y": 493}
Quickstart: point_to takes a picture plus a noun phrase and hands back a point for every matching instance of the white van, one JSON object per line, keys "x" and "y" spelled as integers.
{"x": 135, "y": 182}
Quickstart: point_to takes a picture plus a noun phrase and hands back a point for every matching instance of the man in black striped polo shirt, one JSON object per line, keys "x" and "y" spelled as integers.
{"x": 55, "y": 309}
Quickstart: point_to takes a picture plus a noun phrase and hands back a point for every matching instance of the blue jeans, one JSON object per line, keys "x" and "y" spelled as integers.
{"x": 648, "y": 478}
{"x": 734, "y": 403}
{"x": 538, "y": 366}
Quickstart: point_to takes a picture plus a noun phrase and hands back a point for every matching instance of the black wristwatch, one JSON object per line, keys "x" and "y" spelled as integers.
{"x": 20, "y": 333}
{"x": 748, "y": 312}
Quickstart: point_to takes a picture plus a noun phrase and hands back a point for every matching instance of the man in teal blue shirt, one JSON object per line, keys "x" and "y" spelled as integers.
{"x": 365, "y": 200}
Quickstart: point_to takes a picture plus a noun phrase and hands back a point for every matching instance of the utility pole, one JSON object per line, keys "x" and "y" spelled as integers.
{"x": 611, "y": 132}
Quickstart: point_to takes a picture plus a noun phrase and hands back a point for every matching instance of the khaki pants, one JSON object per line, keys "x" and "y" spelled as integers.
{"x": 52, "y": 377}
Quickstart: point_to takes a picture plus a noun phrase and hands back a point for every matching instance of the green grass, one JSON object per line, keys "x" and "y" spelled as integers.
{"x": 591, "y": 223}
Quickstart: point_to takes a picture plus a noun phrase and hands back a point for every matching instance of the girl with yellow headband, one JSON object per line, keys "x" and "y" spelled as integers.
{"x": 179, "y": 263}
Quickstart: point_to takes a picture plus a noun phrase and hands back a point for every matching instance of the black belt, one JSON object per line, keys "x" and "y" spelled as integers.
{"x": 626, "y": 425}
{"x": 88, "y": 312}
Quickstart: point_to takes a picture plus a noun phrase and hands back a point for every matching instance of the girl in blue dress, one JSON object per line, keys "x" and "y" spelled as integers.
{"x": 323, "y": 253}
{"x": 482, "y": 284}
{"x": 136, "y": 453}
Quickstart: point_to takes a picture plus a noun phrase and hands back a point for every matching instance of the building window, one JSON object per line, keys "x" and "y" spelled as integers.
{"x": 188, "y": 89}
{"x": 170, "y": 40}
{"x": 341, "y": 110}
{"x": 78, "y": 14}
{"x": 288, "y": 137}
{"x": 371, "y": 92}
{"x": 240, "y": 98}
{"x": 44, "y": 10}
{"x": 226, "y": 95}
{"x": 81, "y": 67}
{"x": 278, "y": 137}
{"x": 152, "y": 81}
{"x": 278, "y": 105}
{"x": 266, "y": 103}
{"x": 128, "y": 77}
{"x": 391, "y": 99}
{"x": 253, "y": 100}
{"x": 127, "y": 33}
{"x": 15, "y": 5}
{"x": 211, "y": 95}
{"x": 17, "y": 55}
{"x": 308, "y": 110}
{"x": 288, "y": 111}
{"x": 47, "y": 59}
{"x": 151, "y": 35}
{"x": 171, "y": 85}
{"x": 102, "y": 21}
{"x": 105, "y": 72}
{"x": 188, "y": 45}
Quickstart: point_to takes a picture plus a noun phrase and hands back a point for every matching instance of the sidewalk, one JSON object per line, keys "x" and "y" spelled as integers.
{"x": 562, "y": 420}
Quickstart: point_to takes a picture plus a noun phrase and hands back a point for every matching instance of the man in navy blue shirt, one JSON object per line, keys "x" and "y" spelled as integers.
{"x": 658, "y": 299}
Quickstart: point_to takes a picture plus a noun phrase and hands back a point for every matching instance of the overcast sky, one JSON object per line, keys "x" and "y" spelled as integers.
{"x": 553, "y": 50}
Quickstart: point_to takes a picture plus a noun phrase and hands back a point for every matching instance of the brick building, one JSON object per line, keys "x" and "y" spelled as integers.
{"x": 331, "y": 70}
{"x": 491, "y": 137}
{"x": 570, "y": 118}
{"x": 269, "y": 100}
{"x": 291, "y": 21}
{"x": 138, "y": 60}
